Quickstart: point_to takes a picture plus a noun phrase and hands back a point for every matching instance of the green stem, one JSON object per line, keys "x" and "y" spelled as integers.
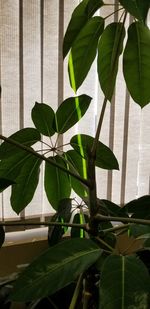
{"x": 104, "y": 243}
{"x": 76, "y": 292}
{"x": 94, "y": 146}
{"x": 100, "y": 218}
{"x": 113, "y": 12}
{"x": 116, "y": 228}
{"x": 42, "y": 157}
{"x": 75, "y": 225}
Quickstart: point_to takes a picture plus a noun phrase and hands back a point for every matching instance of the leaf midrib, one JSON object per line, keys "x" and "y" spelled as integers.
{"x": 62, "y": 265}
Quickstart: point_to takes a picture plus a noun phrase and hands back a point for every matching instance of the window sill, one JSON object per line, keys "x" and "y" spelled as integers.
{"x": 20, "y": 249}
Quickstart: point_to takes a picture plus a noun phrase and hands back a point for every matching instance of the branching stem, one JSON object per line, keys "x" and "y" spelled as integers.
{"x": 74, "y": 225}
{"x": 100, "y": 218}
{"x": 42, "y": 157}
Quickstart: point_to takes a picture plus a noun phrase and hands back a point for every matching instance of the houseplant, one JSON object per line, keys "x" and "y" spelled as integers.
{"x": 105, "y": 277}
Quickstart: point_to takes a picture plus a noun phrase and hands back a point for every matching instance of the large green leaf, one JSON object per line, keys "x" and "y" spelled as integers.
{"x": 43, "y": 117}
{"x": 27, "y": 137}
{"x": 10, "y": 168}
{"x": 137, "y": 8}
{"x": 77, "y": 164}
{"x": 139, "y": 208}
{"x": 136, "y": 63}
{"x": 26, "y": 183}
{"x": 5, "y": 183}
{"x": 70, "y": 112}
{"x": 82, "y": 13}
{"x": 109, "y": 49}
{"x": 124, "y": 284}
{"x": 104, "y": 156}
{"x": 84, "y": 50}
{"x": 55, "y": 268}
{"x": 57, "y": 182}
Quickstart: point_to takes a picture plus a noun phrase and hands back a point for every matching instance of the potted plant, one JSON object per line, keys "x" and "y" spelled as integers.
{"x": 89, "y": 262}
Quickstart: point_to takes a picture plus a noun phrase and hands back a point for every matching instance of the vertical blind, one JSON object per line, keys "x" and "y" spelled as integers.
{"x": 32, "y": 69}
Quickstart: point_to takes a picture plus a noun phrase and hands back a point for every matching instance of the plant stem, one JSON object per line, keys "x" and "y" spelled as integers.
{"x": 116, "y": 228}
{"x": 92, "y": 192}
{"x": 100, "y": 218}
{"x": 76, "y": 225}
{"x": 76, "y": 292}
{"x": 101, "y": 241}
{"x": 42, "y": 157}
{"x": 113, "y": 12}
{"x": 94, "y": 146}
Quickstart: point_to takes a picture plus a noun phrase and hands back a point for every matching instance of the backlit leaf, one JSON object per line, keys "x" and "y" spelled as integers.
{"x": 136, "y": 63}
{"x": 82, "y": 13}
{"x": 57, "y": 183}
{"x": 104, "y": 156}
{"x": 27, "y": 137}
{"x": 5, "y": 183}
{"x": 43, "y": 117}
{"x": 55, "y": 269}
{"x": 10, "y": 168}
{"x": 70, "y": 112}
{"x": 84, "y": 50}
{"x": 109, "y": 49}
{"x": 78, "y": 164}
{"x": 126, "y": 288}
{"x": 26, "y": 183}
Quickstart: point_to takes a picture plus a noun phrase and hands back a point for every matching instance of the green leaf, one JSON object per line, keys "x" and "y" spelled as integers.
{"x": 139, "y": 230}
{"x": 63, "y": 214}
{"x": 57, "y": 183}
{"x": 43, "y": 117}
{"x": 70, "y": 112}
{"x": 111, "y": 208}
{"x": 10, "y": 168}
{"x": 27, "y": 137}
{"x": 139, "y": 208}
{"x": 137, "y": 8}
{"x": 128, "y": 282}
{"x": 79, "y": 165}
{"x": 82, "y": 13}
{"x": 136, "y": 63}
{"x": 64, "y": 208}
{"x": 104, "y": 156}
{"x": 55, "y": 269}
{"x": 27, "y": 181}
{"x": 5, "y": 183}
{"x": 109, "y": 49}
{"x": 79, "y": 218}
{"x": 93, "y": 6}
{"x": 84, "y": 50}
{"x": 2, "y": 236}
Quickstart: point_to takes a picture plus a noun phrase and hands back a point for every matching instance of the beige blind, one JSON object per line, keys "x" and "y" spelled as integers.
{"x": 32, "y": 69}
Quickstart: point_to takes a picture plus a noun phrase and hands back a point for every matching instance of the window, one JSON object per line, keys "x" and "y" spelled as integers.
{"x": 32, "y": 69}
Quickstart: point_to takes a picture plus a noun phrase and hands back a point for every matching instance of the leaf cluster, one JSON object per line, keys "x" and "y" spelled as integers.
{"x": 104, "y": 276}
